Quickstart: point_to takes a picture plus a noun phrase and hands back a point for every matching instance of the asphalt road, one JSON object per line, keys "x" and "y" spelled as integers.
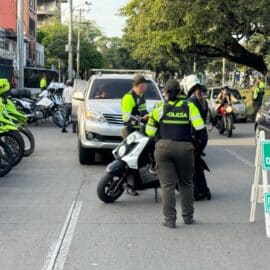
{"x": 49, "y": 210}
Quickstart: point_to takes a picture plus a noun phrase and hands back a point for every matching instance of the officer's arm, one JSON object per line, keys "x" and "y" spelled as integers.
{"x": 152, "y": 123}
{"x": 127, "y": 104}
{"x": 195, "y": 117}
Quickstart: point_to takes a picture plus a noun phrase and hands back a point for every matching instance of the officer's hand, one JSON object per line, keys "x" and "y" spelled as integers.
{"x": 146, "y": 117}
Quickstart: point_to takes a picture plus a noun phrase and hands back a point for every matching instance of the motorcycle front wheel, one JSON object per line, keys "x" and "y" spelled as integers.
{"x": 6, "y": 159}
{"x": 59, "y": 117}
{"x": 16, "y": 144}
{"x": 110, "y": 187}
{"x": 29, "y": 141}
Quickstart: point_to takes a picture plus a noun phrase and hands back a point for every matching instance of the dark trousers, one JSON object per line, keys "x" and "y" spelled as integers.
{"x": 68, "y": 107}
{"x": 175, "y": 161}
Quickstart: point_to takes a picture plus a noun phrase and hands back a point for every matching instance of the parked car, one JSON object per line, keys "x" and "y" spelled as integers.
{"x": 262, "y": 121}
{"x": 239, "y": 108}
{"x": 99, "y": 114}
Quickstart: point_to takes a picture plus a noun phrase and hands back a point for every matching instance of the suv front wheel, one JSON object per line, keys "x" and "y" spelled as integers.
{"x": 86, "y": 156}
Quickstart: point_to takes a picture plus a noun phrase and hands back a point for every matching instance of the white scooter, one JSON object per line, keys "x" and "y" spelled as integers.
{"x": 132, "y": 166}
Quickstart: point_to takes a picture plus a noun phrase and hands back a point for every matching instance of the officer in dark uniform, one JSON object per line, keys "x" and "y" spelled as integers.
{"x": 174, "y": 154}
{"x": 133, "y": 104}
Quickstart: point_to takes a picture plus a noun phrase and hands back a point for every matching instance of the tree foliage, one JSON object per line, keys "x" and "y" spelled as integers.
{"x": 201, "y": 28}
{"x": 54, "y": 36}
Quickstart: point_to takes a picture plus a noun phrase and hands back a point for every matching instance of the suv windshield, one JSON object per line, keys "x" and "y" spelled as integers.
{"x": 234, "y": 92}
{"x": 117, "y": 88}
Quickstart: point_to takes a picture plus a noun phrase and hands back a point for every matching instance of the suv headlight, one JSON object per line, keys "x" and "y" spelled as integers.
{"x": 95, "y": 116}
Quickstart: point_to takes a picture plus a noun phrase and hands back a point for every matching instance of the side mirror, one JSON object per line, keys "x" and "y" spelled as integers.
{"x": 244, "y": 97}
{"x": 78, "y": 96}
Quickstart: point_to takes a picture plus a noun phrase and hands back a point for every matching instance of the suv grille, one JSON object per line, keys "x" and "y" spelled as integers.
{"x": 114, "y": 119}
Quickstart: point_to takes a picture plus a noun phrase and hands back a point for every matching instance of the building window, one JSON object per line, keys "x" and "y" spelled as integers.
{"x": 32, "y": 28}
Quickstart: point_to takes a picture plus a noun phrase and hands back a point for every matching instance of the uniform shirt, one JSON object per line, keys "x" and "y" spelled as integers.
{"x": 132, "y": 104}
{"x": 67, "y": 94}
{"x": 43, "y": 83}
{"x": 258, "y": 92}
{"x": 182, "y": 120}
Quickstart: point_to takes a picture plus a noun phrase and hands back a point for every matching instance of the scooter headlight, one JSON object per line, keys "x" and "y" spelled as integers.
{"x": 131, "y": 139}
{"x": 122, "y": 150}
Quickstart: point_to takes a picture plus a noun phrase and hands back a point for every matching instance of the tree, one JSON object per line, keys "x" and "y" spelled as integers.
{"x": 54, "y": 36}
{"x": 201, "y": 28}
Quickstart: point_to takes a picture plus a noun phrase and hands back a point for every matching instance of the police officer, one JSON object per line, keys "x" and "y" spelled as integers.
{"x": 258, "y": 94}
{"x": 133, "y": 103}
{"x": 43, "y": 82}
{"x": 174, "y": 154}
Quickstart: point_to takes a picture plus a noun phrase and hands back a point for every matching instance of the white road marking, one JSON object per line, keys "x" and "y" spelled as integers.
{"x": 239, "y": 157}
{"x": 59, "y": 250}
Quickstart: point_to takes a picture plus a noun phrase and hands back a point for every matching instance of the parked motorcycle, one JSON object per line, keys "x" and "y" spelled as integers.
{"x": 48, "y": 105}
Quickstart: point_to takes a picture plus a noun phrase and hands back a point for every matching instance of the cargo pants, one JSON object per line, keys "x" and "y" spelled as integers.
{"x": 175, "y": 161}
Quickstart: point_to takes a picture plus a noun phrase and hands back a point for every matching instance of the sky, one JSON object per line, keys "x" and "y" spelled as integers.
{"x": 104, "y": 13}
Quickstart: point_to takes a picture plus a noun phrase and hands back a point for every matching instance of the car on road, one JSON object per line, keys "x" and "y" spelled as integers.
{"x": 99, "y": 114}
{"x": 262, "y": 121}
{"x": 239, "y": 108}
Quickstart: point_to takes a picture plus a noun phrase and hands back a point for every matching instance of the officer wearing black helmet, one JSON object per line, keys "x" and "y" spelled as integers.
{"x": 172, "y": 122}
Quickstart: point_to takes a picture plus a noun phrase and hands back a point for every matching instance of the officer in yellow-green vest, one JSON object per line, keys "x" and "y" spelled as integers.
{"x": 172, "y": 123}
{"x": 134, "y": 104}
{"x": 258, "y": 94}
{"x": 43, "y": 82}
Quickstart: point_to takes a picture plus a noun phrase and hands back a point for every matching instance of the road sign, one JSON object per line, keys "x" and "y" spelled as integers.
{"x": 267, "y": 202}
{"x": 266, "y": 154}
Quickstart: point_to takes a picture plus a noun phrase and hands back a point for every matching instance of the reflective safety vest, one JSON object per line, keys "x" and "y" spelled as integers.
{"x": 259, "y": 91}
{"x": 43, "y": 83}
{"x": 132, "y": 105}
{"x": 174, "y": 121}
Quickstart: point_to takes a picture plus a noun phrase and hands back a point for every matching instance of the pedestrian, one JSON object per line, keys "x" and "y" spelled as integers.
{"x": 172, "y": 122}
{"x": 67, "y": 96}
{"x": 258, "y": 94}
{"x": 195, "y": 91}
{"x": 134, "y": 104}
{"x": 43, "y": 82}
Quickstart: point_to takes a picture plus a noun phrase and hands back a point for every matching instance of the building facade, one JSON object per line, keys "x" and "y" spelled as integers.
{"x": 8, "y": 33}
{"x": 47, "y": 9}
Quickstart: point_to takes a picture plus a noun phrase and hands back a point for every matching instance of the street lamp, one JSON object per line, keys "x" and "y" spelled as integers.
{"x": 70, "y": 25}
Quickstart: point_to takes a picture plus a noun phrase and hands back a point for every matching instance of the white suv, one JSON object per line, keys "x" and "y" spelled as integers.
{"x": 99, "y": 115}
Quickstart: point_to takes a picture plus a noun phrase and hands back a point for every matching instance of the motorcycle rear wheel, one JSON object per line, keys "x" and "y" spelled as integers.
{"x": 106, "y": 188}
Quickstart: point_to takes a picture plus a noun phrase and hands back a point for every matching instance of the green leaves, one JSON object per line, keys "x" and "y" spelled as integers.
{"x": 204, "y": 27}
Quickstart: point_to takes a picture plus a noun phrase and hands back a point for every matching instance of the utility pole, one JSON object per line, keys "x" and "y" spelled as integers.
{"x": 20, "y": 44}
{"x": 79, "y": 45}
{"x": 223, "y": 70}
{"x": 70, "y": 53}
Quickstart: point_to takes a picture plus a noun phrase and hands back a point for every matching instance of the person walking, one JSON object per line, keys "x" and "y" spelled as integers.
{"x": 172, "y": 122}
{"x": 67, "y": 96}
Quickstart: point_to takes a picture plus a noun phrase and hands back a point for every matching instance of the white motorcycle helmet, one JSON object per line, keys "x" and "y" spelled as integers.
{"x": 189, "y": 82}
